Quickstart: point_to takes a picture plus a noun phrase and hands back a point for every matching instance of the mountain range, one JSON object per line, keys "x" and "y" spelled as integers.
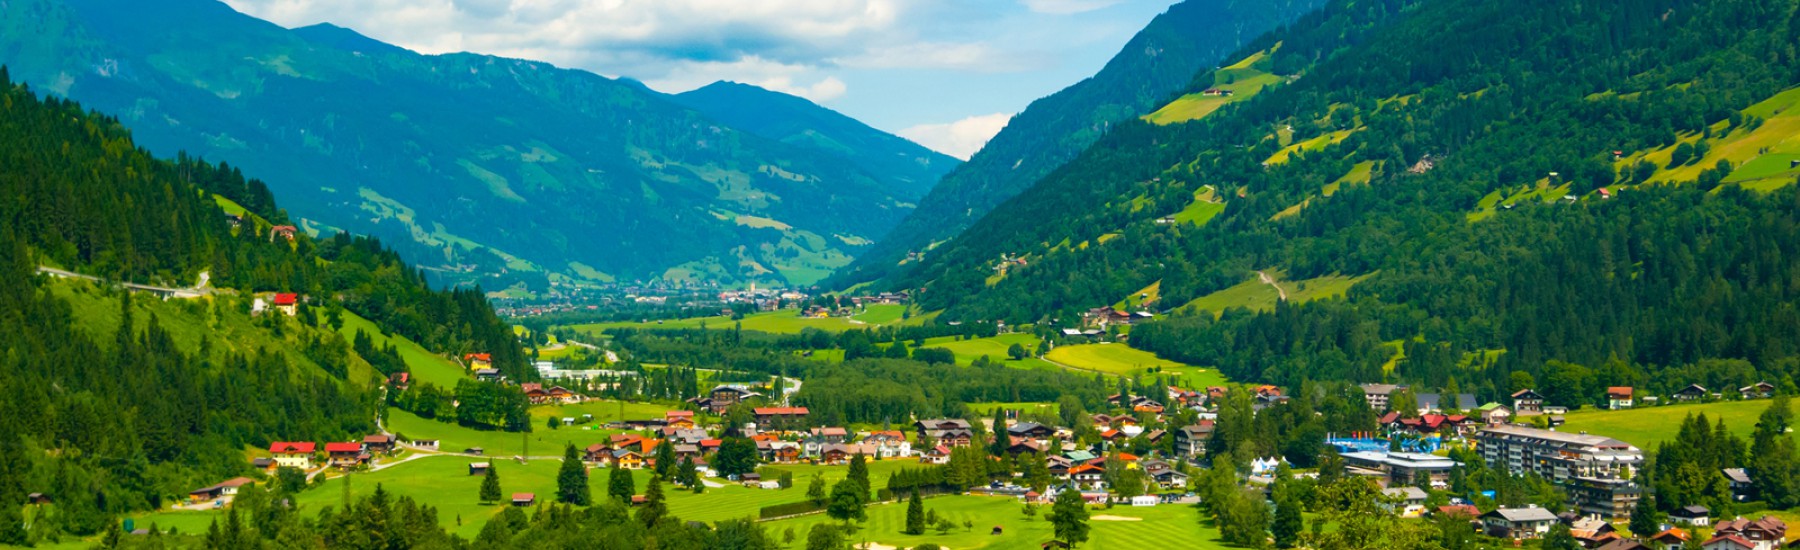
{"x": 1160, "y": 60}
{"x": 508, "y": 173}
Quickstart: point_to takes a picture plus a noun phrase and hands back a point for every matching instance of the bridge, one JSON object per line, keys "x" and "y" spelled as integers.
{"x": 202, "y": 289}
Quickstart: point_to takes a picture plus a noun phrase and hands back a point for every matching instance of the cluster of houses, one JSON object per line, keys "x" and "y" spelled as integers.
{"x": 286, "y": 303}
{"x": 343, "y": 455}
{"x": 1531, "y": 522}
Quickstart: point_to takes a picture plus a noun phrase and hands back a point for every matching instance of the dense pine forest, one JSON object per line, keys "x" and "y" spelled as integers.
{"x": 114, "y": 411}
{"x": 1681, "y": 274}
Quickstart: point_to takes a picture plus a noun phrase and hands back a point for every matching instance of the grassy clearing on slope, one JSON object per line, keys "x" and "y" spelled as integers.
{"x": 424, "y": 365}
{"x": 787, "y": 321}
{"x": 1146, "y": 295}
{"x": 1310, "y": 145}
{"x": 1123, "y": 360}
{"x": 1242, "y": 79}
{"x": 1647, "y": 426}
{"x": 1259, "y": 296}
{"x": 994, "y": 347}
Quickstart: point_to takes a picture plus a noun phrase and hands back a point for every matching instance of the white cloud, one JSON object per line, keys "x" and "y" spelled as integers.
{"x": 964, "y": 56}
{"x": 960, "y": 139}
{"x": 1065, "y": 7}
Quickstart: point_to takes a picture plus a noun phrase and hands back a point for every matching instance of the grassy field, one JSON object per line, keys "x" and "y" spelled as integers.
{"x": 1158, "y": 526}
{"x": 425, "y": 365}
{"x": 787, "y": 321}
{"x": 1241, "y": 78}
{"x": 1257, "y": 295}
{"x": 994, "y": 348}
{"x": 1123, "y": 360}
{"x": 1317, "y": 143}
{"x": 1645, "y": 427}
{"x": 1149, "y": 295}
{"x": 452, "y": 437}
{"x": 987, "y": 409}
{"x": 603, "y": 411}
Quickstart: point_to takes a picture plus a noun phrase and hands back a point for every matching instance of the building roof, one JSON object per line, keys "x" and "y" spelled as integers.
{"x": 778, "y": 411}
{"x": 1691, "y": 511}
{"x": 233, "y": 482}
{"x": 1733, "y": 539}
{"x": 1522, "y": 514}
{"x": 286, "y": 298}
{"x": 293, "y": 447}
{"x": 1621, "y": 392}
{"x": 1736, "y": 475}
{"x": 1559, "y": 437}
{"x": 523, "y": 497}
{"x": 1407, "y": 492}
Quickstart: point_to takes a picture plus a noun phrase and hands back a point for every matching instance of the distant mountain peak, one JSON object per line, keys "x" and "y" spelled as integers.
{"x": 331, "y": 35}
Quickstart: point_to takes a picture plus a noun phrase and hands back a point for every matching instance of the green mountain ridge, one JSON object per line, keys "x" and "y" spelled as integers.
{"x": 484, "y": 170}
{"x": 1160, "y": 60}
{"x": 1534, "y": 201}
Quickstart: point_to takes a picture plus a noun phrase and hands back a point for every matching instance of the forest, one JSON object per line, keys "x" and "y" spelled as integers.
{"x": 115, "y": 416}
{"x": 1656, "y": 285}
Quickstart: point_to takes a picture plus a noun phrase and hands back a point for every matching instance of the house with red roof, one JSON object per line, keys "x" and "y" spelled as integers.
{"x": 679, "y": 419}
{"x": 287, "y": 303}
{"x": 478, "y": 360}
{"x": 346, "y": 455}
{"x": 293, "y": 454}
{"x": 1765, "y": 533}
{"x": 770, "y": 417}
{"x": 1618, "y": 397}
{"x": 283, "y": 231}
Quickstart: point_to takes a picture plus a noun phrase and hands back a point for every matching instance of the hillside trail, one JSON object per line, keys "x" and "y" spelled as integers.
{"x": 1267, "y": 280}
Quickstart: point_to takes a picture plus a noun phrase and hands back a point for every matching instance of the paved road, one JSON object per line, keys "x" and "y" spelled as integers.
{"x": 197, "y": 291}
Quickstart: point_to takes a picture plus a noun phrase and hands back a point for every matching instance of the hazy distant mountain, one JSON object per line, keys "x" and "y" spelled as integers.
{"x": 1161, "y": 60}
{"x": 479, "y": 168}
{"x": 801, "y": 123}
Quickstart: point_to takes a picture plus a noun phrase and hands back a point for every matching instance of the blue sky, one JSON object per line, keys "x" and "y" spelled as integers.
{"x": 945, "y": 73}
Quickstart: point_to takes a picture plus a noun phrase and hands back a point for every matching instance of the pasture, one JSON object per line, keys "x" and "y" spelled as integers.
{"x": 1123, "y": 360}
{"x": 424, "y": 365}
{"x": 1647, "y": 426}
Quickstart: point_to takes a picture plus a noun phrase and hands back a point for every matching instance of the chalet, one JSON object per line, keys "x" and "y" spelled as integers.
{"x": 627, "y": 459}
{"x": 524, "y": 499}
{"x": 222, "y": 489}
{"x": 534, "y": 393}
{"x": 479, "y": 468}
{"x": 263, "y": 463}
{"x": 1728, "y": 542}
{"x": 835, "y": 453}
{"x": 598, "y": 453}
{"x": 287, "y": 303}
{"x": 1025, "y": 446}
{"x": 1190, "y": 441}
{"x": 1113, "y": 436}
{"x": 1170, "y": 479}
{"x": 1618, "y": 543}
{"x": 1527, "y": 402}
{"x": 425, "y": 444}
{"x": 949, "y": 431}
{"x": 723, "y": 397}
{"x": 1592, "y": 532}
{"x": 687, "y": 451}
{"x": 283, "y": 231}
{"x": 1493, "y": 413}
{"x": 778, "y": 416}
{"x": 1693, "y": 392}
{"x": 400, "y": 380}
{"x": 487, "y": 375}
{"x": 1742, "y": 487}
{"x": 1379, "y": 395}
{"x": 293, "y": 454}
{"x": 379, "y": 443}
{"x": 1692, "y": 515}
{"x": 690, "y": 436}
{"x": 778, "y": 452}
{"x": 1088, "y": 476}
{"x": 1518, "y": 523}
{"x": 1765, "y": 533}
{"x": 1155, "y": 436}
{"x": 1030, "y": 430}
{"x": 1408, "y": 501}
{"x": 830, "y": 434}
{"x": 679, "y": 419}
{"x": 1759, "y": 390}
{"x": 1459, "y": 511}
{"x": 1673, "y": 537}
{"x": 887, "y": 444}
{"x": 346, "y": 455}
{"x": 936, "y": 455}
{"x": 478, "y": 360}
{"x": 1618, "y": 397}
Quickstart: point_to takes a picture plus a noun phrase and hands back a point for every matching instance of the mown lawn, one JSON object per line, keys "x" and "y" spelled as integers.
{"x": 1156, "y": 527}
{"x": 1257, "y": 295}
{"x": 603, "y": 410}
{"x": 1647, "y": 426}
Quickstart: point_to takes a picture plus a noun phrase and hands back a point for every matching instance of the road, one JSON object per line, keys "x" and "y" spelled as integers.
{"x": 202, "y": 289}
{"x": 1267, "y": 280}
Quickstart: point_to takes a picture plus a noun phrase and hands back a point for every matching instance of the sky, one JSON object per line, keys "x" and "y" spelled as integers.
{"x": 945, "y": 73}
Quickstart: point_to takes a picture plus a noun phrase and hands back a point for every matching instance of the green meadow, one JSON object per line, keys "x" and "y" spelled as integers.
{"x": 1647, "y": 426}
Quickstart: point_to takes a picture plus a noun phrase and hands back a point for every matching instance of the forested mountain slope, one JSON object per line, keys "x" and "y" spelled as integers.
{"x": 115, "y": 400}
{"x": 907, "y": 167}
{"x": 483, "y": 169}
{"x": 1569, "y": 194}
{"x": 1160, "y": 60}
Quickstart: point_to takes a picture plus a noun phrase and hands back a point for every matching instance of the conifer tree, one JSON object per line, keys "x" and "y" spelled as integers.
{"x": 653, "y": 509}
{"x": 490, "y": 484}
{"x": 620, "y": 486}
{"x": 572, "y": 479}
{"x": 915, "y": 515}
